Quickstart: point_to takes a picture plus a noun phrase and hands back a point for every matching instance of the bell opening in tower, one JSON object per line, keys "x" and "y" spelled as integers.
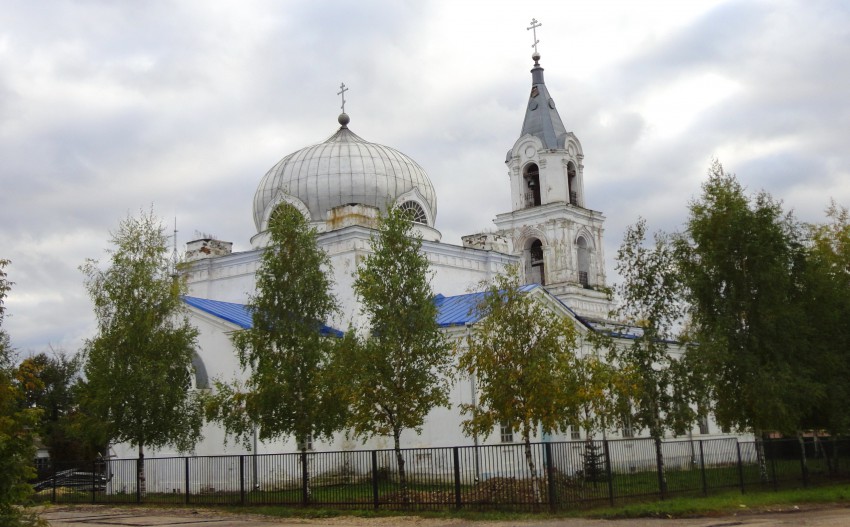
{"x": 532, "y": 185}
{"x": 536, "y": 270}
{"x": 571, "y": 183}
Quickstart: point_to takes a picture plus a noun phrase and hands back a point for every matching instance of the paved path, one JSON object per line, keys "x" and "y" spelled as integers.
{"x": 83, "y": 516}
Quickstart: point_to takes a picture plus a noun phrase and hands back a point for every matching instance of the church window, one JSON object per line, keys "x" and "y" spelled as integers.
{"x": 414, "y": 212}
{"x": 628, "y": 431}
{"x": 583, "y": 260}
{"x": 506, "y": 432}
{"x": 571, "y": 183}
{"x": 308, "y": 442}
{"x": 703, "y": 425}
{"x": 536, "y": 269}
{"x": 532, "y": 185}
{"x": 199, "y": 371}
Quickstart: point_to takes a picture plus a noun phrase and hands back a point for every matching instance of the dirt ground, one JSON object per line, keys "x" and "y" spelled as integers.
{"x": 81, "y": 516}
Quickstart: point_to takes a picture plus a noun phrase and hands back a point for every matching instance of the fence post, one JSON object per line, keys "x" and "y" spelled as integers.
{"x": 740, "y": 465}
{"x": 305, "y": 474}
{"x": 608, "y": 472}
{"x": 702, "y": 469}
{"x": 375, "y": 478}
{"x": 550, "y": 479}
{"x": 93, "y": 481}
{"x": 242, "y": 480}
{"x": 187, "y": 478}
{"x": 456, "y": 456}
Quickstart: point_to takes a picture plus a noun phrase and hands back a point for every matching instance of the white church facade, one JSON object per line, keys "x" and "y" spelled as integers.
{"x": 343, "y": 184}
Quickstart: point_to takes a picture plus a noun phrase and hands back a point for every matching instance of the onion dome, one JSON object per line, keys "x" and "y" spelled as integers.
{"x": 345, "y": 170}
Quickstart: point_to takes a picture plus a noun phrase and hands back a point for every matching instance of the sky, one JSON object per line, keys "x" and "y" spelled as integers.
{"x": 109, "y": 108}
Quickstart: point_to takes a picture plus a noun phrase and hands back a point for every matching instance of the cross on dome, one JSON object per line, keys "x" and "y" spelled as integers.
{"x": 342, "y": 90}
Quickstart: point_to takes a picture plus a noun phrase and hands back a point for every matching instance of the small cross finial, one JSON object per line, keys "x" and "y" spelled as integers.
{"x": 342, "y": 90}
{"x": 534, "y": 25}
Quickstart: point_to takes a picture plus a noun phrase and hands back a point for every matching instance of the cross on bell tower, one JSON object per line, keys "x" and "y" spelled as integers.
{"x": 534, "y": 25}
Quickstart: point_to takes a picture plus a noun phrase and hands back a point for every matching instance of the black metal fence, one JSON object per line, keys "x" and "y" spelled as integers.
{"x": 564, "y": 475}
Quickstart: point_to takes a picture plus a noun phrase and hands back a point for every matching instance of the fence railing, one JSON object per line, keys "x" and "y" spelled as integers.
{"x": 565, "y": 475}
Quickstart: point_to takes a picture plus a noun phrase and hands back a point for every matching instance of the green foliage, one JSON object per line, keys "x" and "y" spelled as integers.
{"x": 49, "y": 383}
{"x": 138, "y": 367}
{"x": 655, "y": 384}
{"x": 598, "y": 385}
{"x": 521, "y": 354}
{"x": 826, "y": 279}
{"x": 740, "y": 262}
{"x": 397, "y": 375}
{"x": 17, "y": 448}
{"x": 289, "y": 388}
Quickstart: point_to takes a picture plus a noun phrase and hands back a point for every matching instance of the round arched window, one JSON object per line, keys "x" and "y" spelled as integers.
{"x": 414, "y": 212}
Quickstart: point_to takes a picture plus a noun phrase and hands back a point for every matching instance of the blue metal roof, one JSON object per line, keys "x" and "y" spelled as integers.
{"x": 238, "y": 314}
{"x": 457, "y": 310}
{"x": 234, "y": 313}
{"x": 460, "y": 310}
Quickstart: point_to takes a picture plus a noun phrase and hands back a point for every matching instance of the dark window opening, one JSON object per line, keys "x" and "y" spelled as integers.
{"x": 537, "y": 273}
{"x": 583, "y": 260}
{"x": 571, "y": 183}
{"x": 703, "y": 425}
{"x": 532, "y": 186}
{"x": 506, "y": 433}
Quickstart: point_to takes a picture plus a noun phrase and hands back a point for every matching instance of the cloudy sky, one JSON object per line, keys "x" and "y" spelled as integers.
{"x": 109, "y": 107}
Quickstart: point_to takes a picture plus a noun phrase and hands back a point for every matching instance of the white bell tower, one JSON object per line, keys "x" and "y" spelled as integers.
{"x": 550, "y": 226}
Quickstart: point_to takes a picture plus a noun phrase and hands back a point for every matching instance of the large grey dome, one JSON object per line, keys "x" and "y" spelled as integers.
{"x": 344, "y": 170}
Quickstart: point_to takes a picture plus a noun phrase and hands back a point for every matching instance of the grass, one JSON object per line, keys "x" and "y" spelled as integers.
{"x": 723, "y": 503}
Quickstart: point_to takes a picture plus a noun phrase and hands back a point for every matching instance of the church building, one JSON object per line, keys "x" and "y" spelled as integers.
{"x": 343, "y": 184}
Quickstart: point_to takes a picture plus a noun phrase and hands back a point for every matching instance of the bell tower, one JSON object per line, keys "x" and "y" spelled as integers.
{"x": 550, "y": 226}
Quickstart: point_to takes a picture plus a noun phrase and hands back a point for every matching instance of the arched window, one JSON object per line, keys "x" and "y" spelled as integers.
{"x": 571, "y": 183}
{"x": 414, "y": 212}
{"x": 202, "y": 381}
{"x": 532, "y": 185}
{"x": 536, "y": 271}
{"x": 583, "y": 260}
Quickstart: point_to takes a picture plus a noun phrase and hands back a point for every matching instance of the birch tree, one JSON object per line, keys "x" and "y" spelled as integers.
{"x": 521, "y": 354}
{"x": 288, "y": 351}
{"x": 400, "y": 371}
{"x": 651, "y": 301}
{"x": 138, "y": 367}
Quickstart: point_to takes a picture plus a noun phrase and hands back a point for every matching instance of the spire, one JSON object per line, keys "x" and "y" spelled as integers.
{"x": 541, "y": 117}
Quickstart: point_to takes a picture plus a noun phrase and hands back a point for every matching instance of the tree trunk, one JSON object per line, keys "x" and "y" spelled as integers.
{"x": 760, "y": 456}
{"x": 804, "y": 462}
{"x": 141, "y": 470}
{"x": 305, "y": 473}
{"x": 535, "y": 483}
{"x": 833, "y": 468}
{"x": 662, "y": 473}
{"x": 402, "y": 476}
